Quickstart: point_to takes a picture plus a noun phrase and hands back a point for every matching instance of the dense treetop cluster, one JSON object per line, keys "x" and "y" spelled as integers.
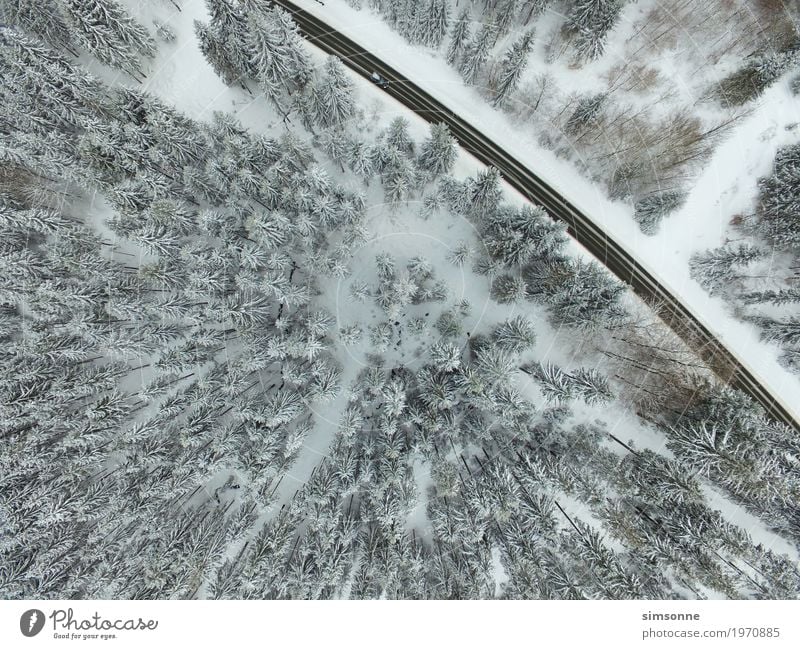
{"x": 624, "y": 122}
{"x": 166, "y": 354}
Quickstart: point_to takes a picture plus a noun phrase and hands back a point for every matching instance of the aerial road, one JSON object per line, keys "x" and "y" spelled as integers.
{"x": 580, "y": 226}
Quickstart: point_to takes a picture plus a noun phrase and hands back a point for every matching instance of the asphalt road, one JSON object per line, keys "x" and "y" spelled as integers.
{"x": 607, "y": 251}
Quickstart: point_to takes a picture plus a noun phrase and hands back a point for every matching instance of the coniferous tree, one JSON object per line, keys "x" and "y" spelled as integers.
{"x": 380, "y": 336}
{"x": 714, "y": 268}
{"x": 504, "y": 15}
{"x": 592, "y": 20}
{"x": 397, "y": 136}
{"x": 459, "y": 37}
{"x": 759, "y": 71}
{"x": 223, "y": 41}
{"x": 778, "y": 298}
{"x": 650, "y": 210}
{"x": 48, "y": 92}
{"x": 515, "y": 335}
{"x": 332, "y": 100}
{"x": 592, "y": 386}
{"x": 520, "y": 237}
{"x": 460, "y": 254}
{"x": 476, "y": 53}
{"x": 42, "y": 19}
{"x": 277, "y": 59}
{"x": 560, "y": 386}
{"x": 299, "y": 64}
{"x": 513, "y": 65}
{"x": 707, "y": 447}
{"x": 164, "y": 31}
{"x": 779, "y": 209}
{"x": 407, "y": 18}
{"x": 585, "y": 113}
{"x": 445, "y": 356}
{"x": 436, "y": 23}
{"x": 108, "y": 32}
{"x": 785, "y": 332}
{"x": 438, "y": 153}
{"x": 485, "y": 193}
{"x": 508, "y": 289}
{"x": 579, "y": 294}
{"x": 532, "y": 9}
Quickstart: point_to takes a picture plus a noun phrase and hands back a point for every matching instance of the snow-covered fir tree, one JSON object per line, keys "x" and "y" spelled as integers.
{"x": 592, "y": 20}
{"x": 513, "y": 65}
{"x": 436, "y": 24}
{"x": 650, "y": 210}
{"x": 714, "y": 268}
{"x": 331, "y": 101}
{"x": 43, "y": 20}
{"x": 459, "y": 37}
{"x": 476, "y": 53}
{"x": 108, "y": 32}
{"x": 170, "y": 366}
{"x": 438, "y": 153}
{"x": 779, "y": 208}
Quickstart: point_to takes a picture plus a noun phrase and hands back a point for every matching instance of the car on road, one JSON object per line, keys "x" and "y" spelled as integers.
{"x": 378, "y": 80}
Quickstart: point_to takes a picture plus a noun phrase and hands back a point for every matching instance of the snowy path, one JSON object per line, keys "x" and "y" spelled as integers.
{"x": 666, "y": 256}
{"x": 182, "y": 77}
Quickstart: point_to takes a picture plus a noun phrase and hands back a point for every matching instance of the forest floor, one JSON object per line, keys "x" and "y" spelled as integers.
{"x": 725, "y": 188}
{"x": 182, "y": 77}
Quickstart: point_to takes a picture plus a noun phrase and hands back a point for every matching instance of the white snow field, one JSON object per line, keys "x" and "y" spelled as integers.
{"x": 725, "y": 187}
{"x": 580, "y": 486}
{"x": 181, "y": 76}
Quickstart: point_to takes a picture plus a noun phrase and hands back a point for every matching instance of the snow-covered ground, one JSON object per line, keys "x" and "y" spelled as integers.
{"x": 726, "y": 186}
{"x": 182, "y": 77}
{"x": 591, "y": 477}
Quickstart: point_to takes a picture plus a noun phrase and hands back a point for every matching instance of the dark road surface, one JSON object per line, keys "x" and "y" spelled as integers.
{"x": 607, "y": 251}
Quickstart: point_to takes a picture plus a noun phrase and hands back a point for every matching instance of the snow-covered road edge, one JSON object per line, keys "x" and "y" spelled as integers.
{"x": 684, "y": 233}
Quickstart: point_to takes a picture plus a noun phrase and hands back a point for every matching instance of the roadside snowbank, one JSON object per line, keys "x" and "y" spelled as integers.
{"x": 726, "y": 186}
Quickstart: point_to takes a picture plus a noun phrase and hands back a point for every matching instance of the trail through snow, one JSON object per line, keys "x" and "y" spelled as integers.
{"x": 181, "y": 76}
{"x": 726, "y": 186}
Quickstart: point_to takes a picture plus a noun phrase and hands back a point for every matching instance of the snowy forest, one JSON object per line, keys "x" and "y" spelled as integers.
{"x": 600, "y": 82}
{"x": 758, "y": 268}
{"x": 607, "y": 85}
{"x": 265, "y": 334}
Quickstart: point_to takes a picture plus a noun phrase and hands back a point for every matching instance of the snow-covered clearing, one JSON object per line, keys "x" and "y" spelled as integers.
{"x": 272, "y": 335}
{"x": 181, "y": 76}
{"x": 726, "y": 186}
